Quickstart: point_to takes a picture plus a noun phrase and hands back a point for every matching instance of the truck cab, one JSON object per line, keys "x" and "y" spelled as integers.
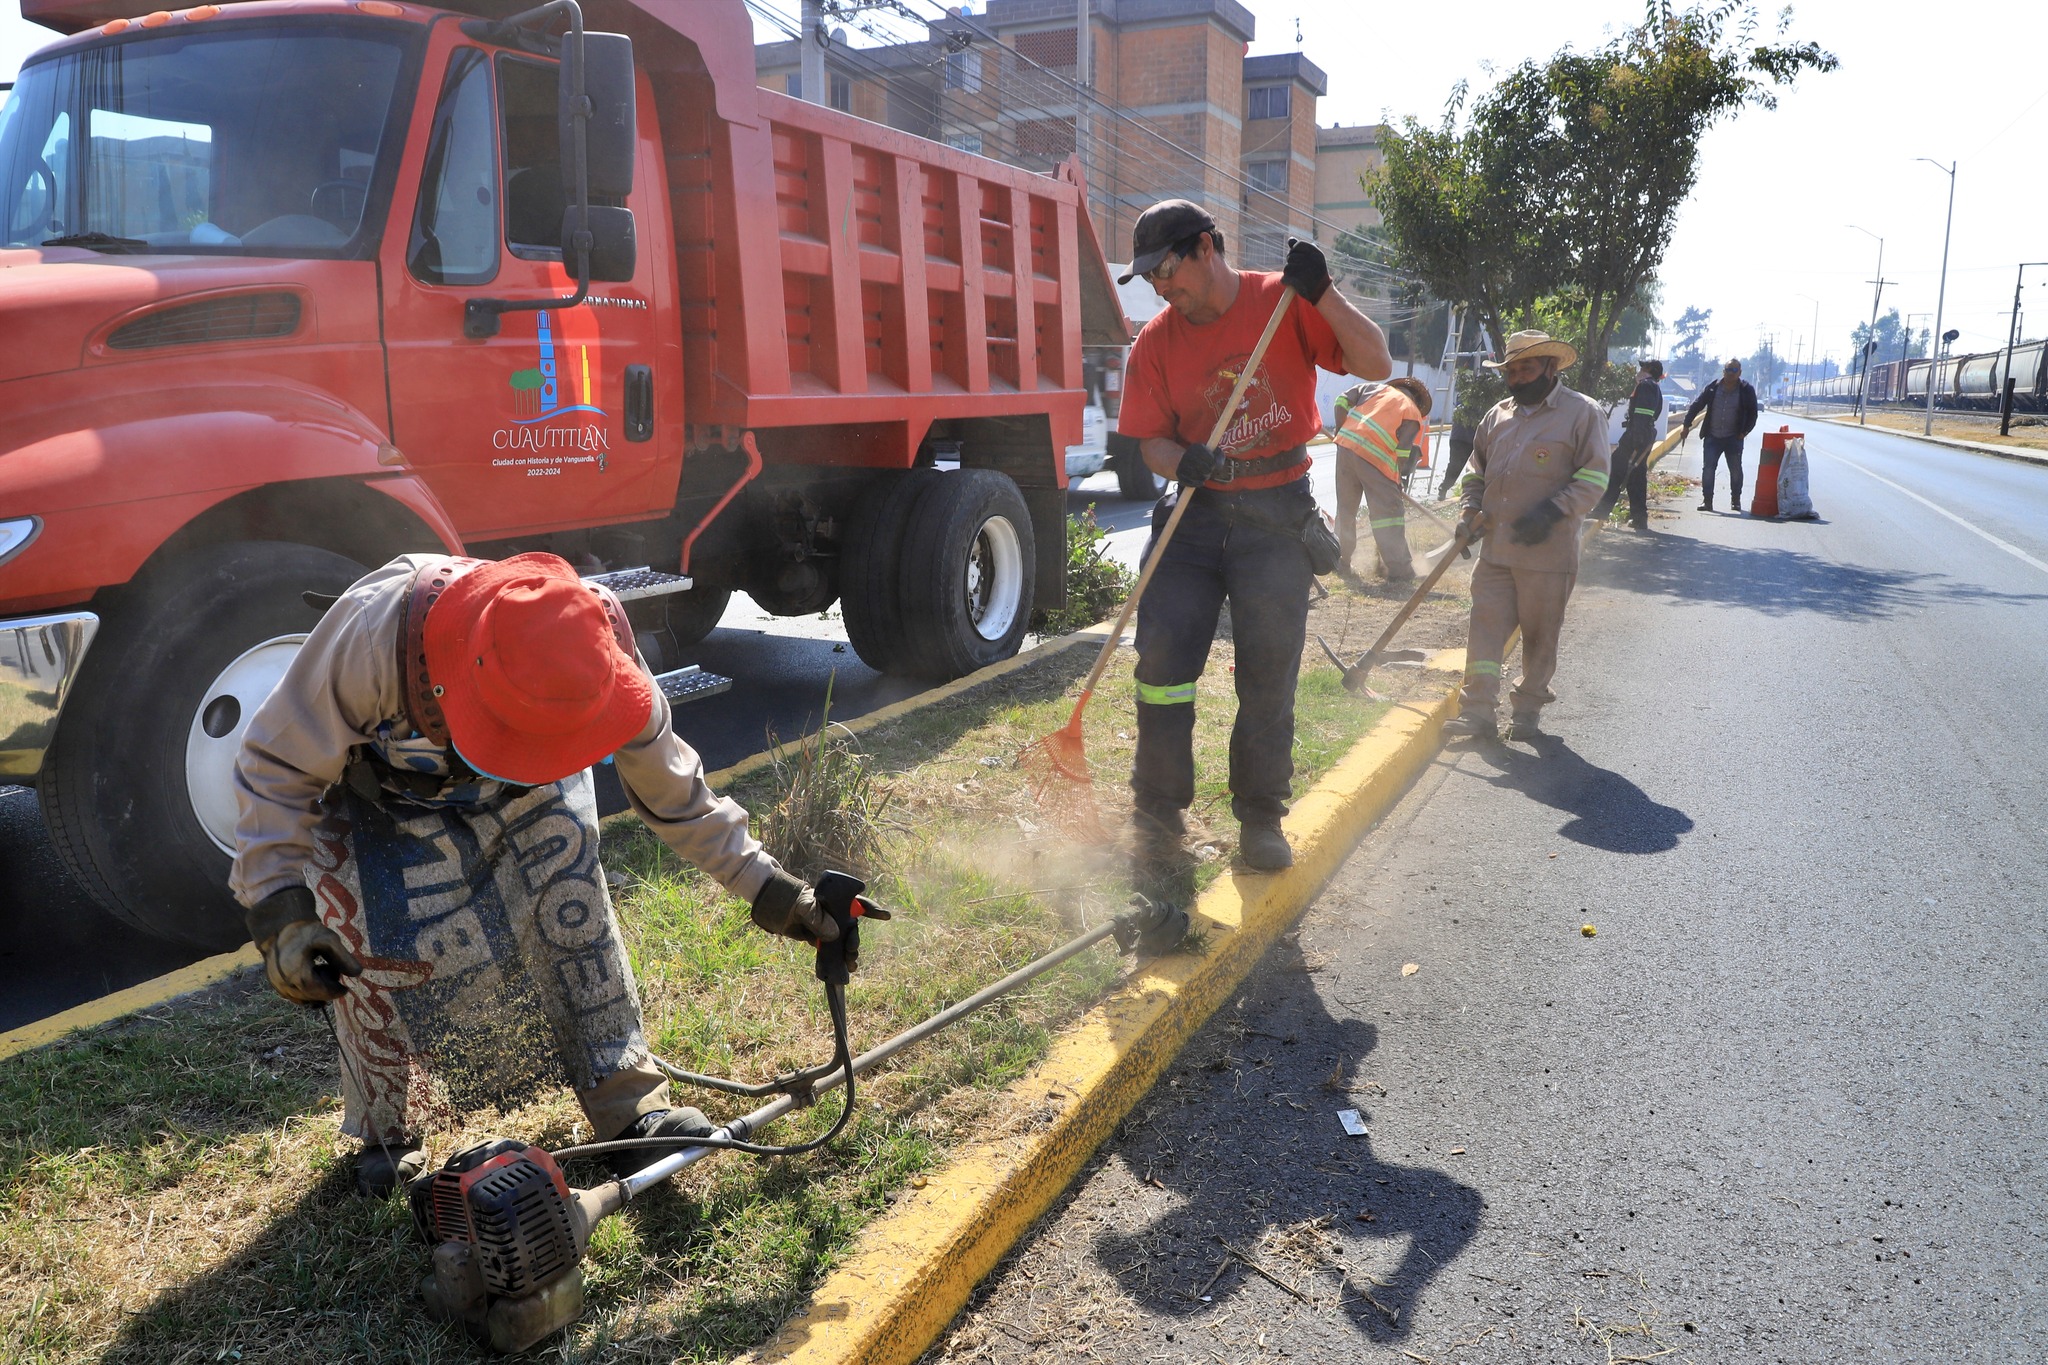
{"x": 289, "y": 287}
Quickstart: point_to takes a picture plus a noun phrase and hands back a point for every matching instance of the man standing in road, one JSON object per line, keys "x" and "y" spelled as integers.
{"x": 1382, "y": 433}
{"x": 1730, "y": 405}
{"x": 1630, "y": 469}
{"x": 416, "y": 813}
{"x": 1240, "y": 539}
{"x": 1539, "y": 463}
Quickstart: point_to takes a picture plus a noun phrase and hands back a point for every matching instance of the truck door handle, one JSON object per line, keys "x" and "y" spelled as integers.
{"x": 639, "y": 402}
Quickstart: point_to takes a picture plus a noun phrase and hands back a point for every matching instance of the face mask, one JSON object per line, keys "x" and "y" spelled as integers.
{"x": 1533, "y": 392}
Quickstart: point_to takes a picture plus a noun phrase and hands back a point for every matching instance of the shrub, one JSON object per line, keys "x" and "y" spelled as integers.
{"x": 1096, "y": 584}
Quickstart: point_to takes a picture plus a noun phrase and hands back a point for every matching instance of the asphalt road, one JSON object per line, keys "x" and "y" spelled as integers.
{"x": 59, "y": 949}
{"x": 1787, "y": 1105}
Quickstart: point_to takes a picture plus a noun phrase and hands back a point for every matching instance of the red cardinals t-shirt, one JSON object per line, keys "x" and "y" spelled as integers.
{"x": 1179, "y": 375}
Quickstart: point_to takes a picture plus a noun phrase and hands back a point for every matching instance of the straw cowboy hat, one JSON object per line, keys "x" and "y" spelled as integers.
{"x": 1535, "y": 346}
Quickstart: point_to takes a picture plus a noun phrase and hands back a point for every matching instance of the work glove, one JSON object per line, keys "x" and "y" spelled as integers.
{"x": 304, "y": 959}
{"x": 1534, "y": 526}
{"x": 785, "y": 906}
{"x": 1197, "y": 463}
{"x": 1307, "y": 273}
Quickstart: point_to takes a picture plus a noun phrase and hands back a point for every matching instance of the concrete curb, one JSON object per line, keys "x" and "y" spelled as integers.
{"x": 2020, "y": 453}
{"x": 913, "y": 1269}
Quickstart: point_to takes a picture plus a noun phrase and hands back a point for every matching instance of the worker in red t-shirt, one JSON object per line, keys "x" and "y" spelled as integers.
{"x": 1240, "y": 539}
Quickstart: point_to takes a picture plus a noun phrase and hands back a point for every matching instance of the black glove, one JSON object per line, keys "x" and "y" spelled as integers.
{"x": 785, "y": 906}
{"x": 304, "y": 959}
{"x": 1197, "y": 463}
{"x": 1307, "y": 273}
{"x": 1534, "y": 526}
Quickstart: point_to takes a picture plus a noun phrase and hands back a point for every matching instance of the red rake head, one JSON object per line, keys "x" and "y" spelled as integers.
{"x": 1057, "y": 769}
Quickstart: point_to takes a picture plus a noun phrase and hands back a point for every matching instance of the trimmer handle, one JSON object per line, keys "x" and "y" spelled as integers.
{"x": 840, "y": 895}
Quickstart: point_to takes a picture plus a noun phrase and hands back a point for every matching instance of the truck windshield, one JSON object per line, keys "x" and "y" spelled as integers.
{"x": 254, "y": 141}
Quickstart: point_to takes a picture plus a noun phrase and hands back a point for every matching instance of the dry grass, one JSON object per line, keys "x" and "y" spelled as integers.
{"x": 2028, "y": 430}
{"x": 174, "y": 1189}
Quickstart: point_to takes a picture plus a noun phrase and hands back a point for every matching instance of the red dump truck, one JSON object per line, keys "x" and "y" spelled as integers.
{"x": 292, "y": 286}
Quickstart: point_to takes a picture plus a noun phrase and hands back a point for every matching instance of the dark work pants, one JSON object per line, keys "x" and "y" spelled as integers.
{"x": 1628, "y": 455}
{"x": 1218, "y": 555}
{"x": 1715, "y": 447}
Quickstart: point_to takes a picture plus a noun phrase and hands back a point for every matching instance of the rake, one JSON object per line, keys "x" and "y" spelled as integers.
{"x": 1057, "y": 765}
{"x": 1355, "y": 673}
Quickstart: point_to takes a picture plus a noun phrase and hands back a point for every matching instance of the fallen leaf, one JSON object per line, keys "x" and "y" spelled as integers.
{"x": 1553, "y": 855}
{"x": 1588, "y": 930}
{"x": 1367, "y": 1216}
{"x": 1411, "y": 968}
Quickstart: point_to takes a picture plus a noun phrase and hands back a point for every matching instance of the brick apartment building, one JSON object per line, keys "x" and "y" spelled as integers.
{"x": 1236, "y": 133}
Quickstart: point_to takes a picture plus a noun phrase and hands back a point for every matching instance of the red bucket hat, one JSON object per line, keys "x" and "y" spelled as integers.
{"x": 529, "y": 675}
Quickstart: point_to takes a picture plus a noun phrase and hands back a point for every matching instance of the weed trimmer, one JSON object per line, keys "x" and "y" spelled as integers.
{"x": 1355, "y": 673}
{"x": 1057, "y": 765}
{"x": 509, "y": 1231}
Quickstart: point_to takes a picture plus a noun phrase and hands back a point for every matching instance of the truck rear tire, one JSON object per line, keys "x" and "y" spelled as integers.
{"x": 694, "y": 614}
{"x": 136, "y": 789}
{"x": 871, "y": 563}
{"x": 969, "y": 566}
{"x": 1134, "y": 478}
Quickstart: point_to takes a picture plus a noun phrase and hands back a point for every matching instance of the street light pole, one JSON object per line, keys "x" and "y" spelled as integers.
{"x": 1870, "y": 341}
{"x": 1940, "y": 296}
{"x": 2012, "y": 340}
{"x": 1816, "y": 336}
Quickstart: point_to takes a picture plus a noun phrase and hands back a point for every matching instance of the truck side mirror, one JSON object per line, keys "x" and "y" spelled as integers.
{"x": 612, "y": 246}
{"x": 609, "y": 133}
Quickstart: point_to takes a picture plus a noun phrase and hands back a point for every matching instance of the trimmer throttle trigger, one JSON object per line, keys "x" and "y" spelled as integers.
{"x": 840, "y": 896}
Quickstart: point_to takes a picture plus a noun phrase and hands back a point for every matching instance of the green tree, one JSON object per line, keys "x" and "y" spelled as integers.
{"x": 1894, "y": 340}
{"x": 1691, "y": 329}
{"x": 1569, "y": 174}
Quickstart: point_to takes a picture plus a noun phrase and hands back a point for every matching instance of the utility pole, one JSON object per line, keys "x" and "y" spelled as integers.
{"x": 1863, "y": 389}
{"x": 1816, "y": 337}
{"x": 811, "y": 58}
{"x": 2012, "y": 340}
{"x": 1084, "y": 71}
{"x": 1940, "y": 296}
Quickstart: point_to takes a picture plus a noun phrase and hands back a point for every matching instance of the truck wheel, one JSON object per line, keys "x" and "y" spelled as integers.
{"x": 695, "y": 614}
{"x": 137, "y": 789}
{"x": 969, "y": 566}
{"x": 1134, "y": 478}
{"x": 870, "y": 566}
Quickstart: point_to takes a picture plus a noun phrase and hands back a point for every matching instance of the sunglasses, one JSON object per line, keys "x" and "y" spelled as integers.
{"x": 1178, "y": 252}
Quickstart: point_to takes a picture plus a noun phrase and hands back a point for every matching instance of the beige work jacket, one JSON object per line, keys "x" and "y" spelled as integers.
{"x": 1555, "y": 452}
{"x": 345, "y": 683}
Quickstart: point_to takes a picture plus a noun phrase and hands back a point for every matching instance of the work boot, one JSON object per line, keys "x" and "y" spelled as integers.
{"x": 681, "y": 1121}
{"x": 1706, "y": 507}
{"x": 1470, "y": 726}
{"x": 382, "y": 1167}
{"x": 1262, "y": 846}
{"x": 1523, "y": 730}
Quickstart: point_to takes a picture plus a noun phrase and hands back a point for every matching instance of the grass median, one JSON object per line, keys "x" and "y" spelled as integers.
{"x": 173, "y": 1187}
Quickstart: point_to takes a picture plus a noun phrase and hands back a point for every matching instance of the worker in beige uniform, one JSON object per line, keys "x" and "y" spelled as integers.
{"x": 1539, "y": 463}
{"x": 417, "y": 845}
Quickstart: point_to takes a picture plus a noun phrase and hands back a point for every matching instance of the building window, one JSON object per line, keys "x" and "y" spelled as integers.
{"x": 1268, "y": 101}
{"x": 965, "y": 142}
{"x": 1270, "y": 176}
{"x": 842, "y": 93}
{"x": 793, "y": 83}
{"x": 963, "y": 71}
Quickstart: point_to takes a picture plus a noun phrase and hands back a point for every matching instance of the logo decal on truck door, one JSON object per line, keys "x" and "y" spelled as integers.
{"x": 558, "y": 385}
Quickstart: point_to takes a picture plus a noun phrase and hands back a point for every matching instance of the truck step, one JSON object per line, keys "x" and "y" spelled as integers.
{"x": 691, "y": 684}
{"x": 628, "y": 584}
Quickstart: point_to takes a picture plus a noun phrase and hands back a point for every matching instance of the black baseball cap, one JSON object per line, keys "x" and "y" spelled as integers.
{"x": 1160, "y": 228}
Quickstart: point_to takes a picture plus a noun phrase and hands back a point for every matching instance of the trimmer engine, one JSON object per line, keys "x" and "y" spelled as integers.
{"x": 508, "y": 1236}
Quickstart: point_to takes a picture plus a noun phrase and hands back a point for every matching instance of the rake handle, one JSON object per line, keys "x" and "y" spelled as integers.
{"x": 1180, "y": 506}
{"x": 1459, "y": 540}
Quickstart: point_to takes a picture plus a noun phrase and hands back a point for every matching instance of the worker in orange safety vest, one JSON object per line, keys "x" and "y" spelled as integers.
{"x": 1382, "y": 434}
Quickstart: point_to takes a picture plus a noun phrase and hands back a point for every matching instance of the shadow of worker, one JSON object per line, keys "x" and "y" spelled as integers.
{"x": 1608, "y": 811}
{"x": 1257, "y": 1175}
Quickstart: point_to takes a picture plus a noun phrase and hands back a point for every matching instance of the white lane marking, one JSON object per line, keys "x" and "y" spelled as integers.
{"x": 2015, "y": 551}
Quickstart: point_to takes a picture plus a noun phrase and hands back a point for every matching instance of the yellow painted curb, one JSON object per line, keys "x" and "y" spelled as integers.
{"x": 912, "y": 1270}
{"x": 145, "y": 995}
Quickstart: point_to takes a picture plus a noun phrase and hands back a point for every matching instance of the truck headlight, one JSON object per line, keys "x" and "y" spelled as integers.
{"x": 15, "y": 536}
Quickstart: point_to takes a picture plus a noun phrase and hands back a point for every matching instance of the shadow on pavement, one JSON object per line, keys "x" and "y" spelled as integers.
{"x": 1776, "y": 582}
{"x": 1608, "y": 811}
{"x": 1243, "y": 1133}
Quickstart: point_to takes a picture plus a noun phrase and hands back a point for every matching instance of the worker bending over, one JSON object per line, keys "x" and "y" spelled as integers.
{"x": 1382, "y": 434}
{"x": 1539, "y": 463}
{"x": 416, "y": 813}
{"x": 1240, "y": 540}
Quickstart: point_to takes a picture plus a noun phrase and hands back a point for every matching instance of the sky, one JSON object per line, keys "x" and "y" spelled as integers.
{"x": 1767, "y": 237}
